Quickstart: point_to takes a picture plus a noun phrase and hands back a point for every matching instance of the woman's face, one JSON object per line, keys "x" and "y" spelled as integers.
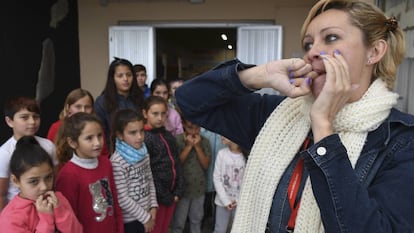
{"x": 332, "y": 30}
{"x": 123, "y": 79}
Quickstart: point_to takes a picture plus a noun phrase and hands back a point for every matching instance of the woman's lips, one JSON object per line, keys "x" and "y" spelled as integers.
{"x": 319, "y": 71}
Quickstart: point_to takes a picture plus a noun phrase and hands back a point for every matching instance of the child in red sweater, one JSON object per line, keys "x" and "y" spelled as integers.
{"x": 85, "y": 177}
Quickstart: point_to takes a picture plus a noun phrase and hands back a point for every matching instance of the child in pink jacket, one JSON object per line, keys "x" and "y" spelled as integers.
{"x": 36, "y": 208}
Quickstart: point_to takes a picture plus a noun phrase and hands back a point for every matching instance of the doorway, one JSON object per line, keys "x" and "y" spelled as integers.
{"x": 186, "y": 52}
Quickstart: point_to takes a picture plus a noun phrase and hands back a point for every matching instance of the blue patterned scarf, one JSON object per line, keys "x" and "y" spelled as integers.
{"x": 130, "y": 154}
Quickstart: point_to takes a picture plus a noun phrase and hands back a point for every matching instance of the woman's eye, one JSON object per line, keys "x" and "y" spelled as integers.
{"x": 307, "y": 46}
{"x": 330, "y": 38}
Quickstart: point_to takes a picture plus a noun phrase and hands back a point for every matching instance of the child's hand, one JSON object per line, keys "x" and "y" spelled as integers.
{"x": 51, "y": 198}
{"x": 153, "y": 212}
{"x": 43, "y": 205}
{"x": 232, "y": 205}
{"x": 149, "y": 226}
{"x": 176, "y": 199}
{"x": 197, "y": 139}
{"x": 189, "y": 140}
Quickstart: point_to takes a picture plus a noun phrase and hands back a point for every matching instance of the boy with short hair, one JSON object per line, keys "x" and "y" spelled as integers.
{"x": 195, "y": 153}
{"x": 22, "y": 115}
{"x": 141, "y": 72}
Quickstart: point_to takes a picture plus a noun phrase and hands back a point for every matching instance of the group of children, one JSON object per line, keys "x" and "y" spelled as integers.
{"x": 113, "y": 165}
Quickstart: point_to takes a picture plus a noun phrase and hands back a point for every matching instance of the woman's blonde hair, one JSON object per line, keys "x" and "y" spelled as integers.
{"x": 374, "y": 26}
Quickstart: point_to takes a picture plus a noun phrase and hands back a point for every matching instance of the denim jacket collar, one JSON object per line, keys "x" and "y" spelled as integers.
{"x": 381, "y": 136}
{"x": 371, "y": 159}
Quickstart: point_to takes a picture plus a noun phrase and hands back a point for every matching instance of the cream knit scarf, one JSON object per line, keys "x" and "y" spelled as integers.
{"x": 280, "y": 139}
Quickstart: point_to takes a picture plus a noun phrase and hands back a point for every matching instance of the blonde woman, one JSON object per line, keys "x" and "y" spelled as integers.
{"x": 332, "y": 154}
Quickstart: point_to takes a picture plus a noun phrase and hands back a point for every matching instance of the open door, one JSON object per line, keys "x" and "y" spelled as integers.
{"x": 255, "y": 45}
{"x": 134, "y": 43}
{"x": 258, "y": 45}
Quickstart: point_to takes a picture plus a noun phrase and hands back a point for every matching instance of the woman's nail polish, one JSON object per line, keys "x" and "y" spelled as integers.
{"x": 308, "y": 81}
{"x": 337, "y": 52}
{"x": 291, "y": 81}
{"x": 322, "y": 53}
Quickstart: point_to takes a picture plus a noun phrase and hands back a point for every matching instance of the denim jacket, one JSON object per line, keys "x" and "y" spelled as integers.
{"x": 377, "y": 196}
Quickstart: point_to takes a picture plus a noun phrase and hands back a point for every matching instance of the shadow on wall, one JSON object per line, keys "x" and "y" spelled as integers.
{"x": 39, "y": 55}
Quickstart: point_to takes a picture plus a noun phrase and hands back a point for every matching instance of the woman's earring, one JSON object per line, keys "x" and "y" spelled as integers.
{"x": 369, "y": 61}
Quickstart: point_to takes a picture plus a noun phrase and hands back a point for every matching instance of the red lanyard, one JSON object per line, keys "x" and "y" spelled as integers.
{"x": 293, "y": 188}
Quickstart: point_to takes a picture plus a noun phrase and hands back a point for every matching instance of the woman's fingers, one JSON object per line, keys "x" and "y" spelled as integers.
{"x": 337, "y": 75}
{"x": 296, "y": 77}
{"x": 336, "y": 90}
{"x": 291, "y": 77}
{"x": 297, "y": 67}
{"x": 301, "y": 85}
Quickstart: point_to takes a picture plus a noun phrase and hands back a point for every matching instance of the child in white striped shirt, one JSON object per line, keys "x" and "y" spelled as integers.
{"x": 132, "y": 172}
